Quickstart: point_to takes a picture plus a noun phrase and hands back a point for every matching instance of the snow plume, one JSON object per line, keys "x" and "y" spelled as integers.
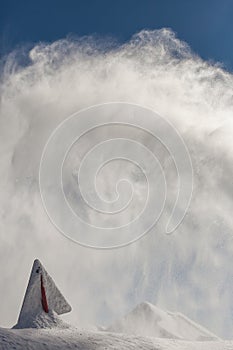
{"x": 189, "y": 271}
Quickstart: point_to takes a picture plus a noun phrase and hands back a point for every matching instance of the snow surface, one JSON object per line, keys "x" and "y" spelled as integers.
{"x": 42, "y": 320}
{"x": 143, "y": 328}
{"x": 149, "y": 320}
{"x": 51, "y": 333}
{"x": 51, "y": 339}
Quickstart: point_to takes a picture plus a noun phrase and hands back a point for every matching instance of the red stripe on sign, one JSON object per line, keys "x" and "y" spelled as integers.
{"x": 43, "y": 296}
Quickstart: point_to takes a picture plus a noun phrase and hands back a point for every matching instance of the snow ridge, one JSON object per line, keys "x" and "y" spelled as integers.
{"x": 149, "y": 320}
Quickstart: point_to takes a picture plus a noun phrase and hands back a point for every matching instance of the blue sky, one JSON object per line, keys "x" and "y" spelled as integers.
{"x": 206, "y": 26}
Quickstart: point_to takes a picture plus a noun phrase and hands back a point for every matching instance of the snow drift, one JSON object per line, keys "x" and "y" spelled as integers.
{"x": 27, "y": 339}
{"x": 149, "y": 320}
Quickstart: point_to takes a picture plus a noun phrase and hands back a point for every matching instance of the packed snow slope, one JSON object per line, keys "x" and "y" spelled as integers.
{"x": 149, "y": 320}
{"x": 51, "y": 339}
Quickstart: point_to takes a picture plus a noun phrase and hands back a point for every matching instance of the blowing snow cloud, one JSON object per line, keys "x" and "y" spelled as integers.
{"x": 190, "y": 270}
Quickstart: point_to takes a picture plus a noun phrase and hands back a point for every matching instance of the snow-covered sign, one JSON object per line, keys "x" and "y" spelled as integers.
{"x": 42, "y": 302}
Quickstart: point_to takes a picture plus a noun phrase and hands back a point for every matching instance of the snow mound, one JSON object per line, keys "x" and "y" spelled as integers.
{"x": 149, "y": 320}
{"x": 43, "y": 302}
{"x": 42, "y": 320}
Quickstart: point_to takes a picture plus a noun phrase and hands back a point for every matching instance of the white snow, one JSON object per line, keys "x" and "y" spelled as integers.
{"x": 49, "y": 332}
{"x": 143, "y": 328}
{"x": 51, "y": 339}
{"x": 149, "y": 320}
{"x": 42, "y": 320}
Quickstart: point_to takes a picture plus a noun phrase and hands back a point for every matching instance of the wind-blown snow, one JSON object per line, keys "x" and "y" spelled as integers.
{"x": 148, "y": 320}
{"x": 190, "y": 271}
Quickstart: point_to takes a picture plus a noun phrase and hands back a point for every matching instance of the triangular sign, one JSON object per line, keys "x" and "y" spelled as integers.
{"x": 42, "y": 295}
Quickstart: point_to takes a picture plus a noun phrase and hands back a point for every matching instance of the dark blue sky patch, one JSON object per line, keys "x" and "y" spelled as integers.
{"x": 206, "y": 26}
